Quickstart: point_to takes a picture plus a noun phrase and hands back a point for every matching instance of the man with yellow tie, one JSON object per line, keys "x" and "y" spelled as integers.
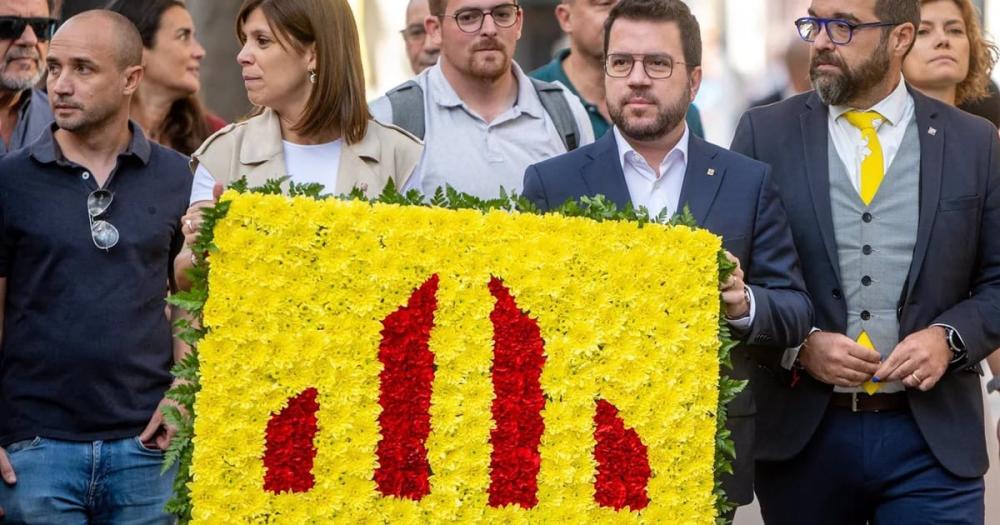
{"x": 894, "y": 202}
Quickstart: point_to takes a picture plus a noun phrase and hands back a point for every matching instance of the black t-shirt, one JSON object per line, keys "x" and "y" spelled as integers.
{"x": 87, "y": 347}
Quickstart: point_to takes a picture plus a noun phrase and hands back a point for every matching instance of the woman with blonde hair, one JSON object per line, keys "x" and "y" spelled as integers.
{"x": 951, "y": 61}
{"x": 301, "y": 62}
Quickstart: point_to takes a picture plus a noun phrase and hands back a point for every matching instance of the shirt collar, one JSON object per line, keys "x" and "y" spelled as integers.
{"x": 46, "y": 150}
{"x": 680, "y": 151}
{"x": 445, "y": 96}
{"x": 892, "y": 107}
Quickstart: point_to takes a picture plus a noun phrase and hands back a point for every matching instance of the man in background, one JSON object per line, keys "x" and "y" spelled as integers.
{"x": 422, "y": 51}
{"x": 25, "y": 29}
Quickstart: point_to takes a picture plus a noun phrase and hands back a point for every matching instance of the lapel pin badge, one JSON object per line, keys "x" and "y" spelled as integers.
{"x": 711, "y": 172}
{"x": 931, "y": 131}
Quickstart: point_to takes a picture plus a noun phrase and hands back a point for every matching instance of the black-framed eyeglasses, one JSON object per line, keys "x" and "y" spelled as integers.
{"x": 471, "y": 20}
{"x": 12, "y": 27}
{"x": 619, "y": 65}
{"x": 414, "y": 33}
{"x": 840, "y": 31}
{"x": 103, "y": 233}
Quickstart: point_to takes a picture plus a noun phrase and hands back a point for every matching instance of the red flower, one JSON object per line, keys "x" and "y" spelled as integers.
{"x": 289, "y": 450}
{"x": 518, "y": 358}
{"x": 622, "y": 462}
{"x": 405, "y": 396}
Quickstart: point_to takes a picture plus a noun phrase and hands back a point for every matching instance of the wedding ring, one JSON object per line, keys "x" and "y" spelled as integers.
{"x": 916, "y": 378}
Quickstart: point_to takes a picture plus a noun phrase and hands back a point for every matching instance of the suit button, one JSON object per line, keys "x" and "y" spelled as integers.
{"x": 837, "y": 294}
{"x": 867, "y": 217}
{"x": 866, "y": 249}
{"x": 866, "y": 281}
{"x": 866, "y": 315}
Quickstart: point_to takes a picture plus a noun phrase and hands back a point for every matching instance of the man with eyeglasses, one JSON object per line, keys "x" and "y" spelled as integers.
{"x": 89, "y": 226}
{"x": 651, "y": 159}
{"x": 25, "y": 29}
{"x": 482, "y": 119}
{"x": 422, "y": 51}
{"x": 581, "y": 66}
{"x": 894, "y": 201}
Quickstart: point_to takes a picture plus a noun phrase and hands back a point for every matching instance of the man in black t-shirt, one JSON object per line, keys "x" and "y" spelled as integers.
{"x": 89, "y": 224}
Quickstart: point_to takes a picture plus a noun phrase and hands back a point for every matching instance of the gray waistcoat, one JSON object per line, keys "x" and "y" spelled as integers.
{"x": 875, "y": 253}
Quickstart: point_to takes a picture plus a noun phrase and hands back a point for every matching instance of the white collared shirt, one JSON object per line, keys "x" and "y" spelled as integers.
{"x": 477, "y": 157}
{"x": 898, "y": 110}
{"x": 659, "y": 189}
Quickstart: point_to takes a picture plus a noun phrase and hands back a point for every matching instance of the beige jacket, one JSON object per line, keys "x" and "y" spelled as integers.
{"x": 253, "y": 149}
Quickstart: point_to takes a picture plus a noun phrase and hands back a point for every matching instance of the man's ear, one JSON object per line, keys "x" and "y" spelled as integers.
{"x": 903, "y": 37}
{"x": 695, "y": 81}
{"x": 432, "y": 25}
{"x": 133, "y": 77}
{"x": 565, "y": 18}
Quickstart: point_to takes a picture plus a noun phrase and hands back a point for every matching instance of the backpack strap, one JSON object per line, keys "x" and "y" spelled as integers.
{"x": 554, "y": 101}
{"x": 407, "y": 101}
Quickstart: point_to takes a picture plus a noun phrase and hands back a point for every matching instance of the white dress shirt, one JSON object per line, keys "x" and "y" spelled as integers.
{"x": 852, "y": 147}
{"x": 658, "y": 190}
{"x": 655, "y": 190}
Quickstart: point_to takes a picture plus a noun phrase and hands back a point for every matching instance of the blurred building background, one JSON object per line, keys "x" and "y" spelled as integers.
{"x": 744, "y": 41}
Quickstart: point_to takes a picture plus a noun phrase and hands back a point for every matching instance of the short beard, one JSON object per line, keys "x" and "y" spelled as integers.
{"x": 18, "y": 81}
{"x": 489, "y": 71}
{"x": 667, "y": 119}
{"x": 90, "y": 120}
{"x": 839, "y": 89}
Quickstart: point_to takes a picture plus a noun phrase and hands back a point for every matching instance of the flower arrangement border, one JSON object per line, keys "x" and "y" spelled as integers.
{"x": 191, "y": 331}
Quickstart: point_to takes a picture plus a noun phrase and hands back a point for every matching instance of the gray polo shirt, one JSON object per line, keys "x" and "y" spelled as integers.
{"x": 33, "y": 117}
{"x": 475, "y": 157}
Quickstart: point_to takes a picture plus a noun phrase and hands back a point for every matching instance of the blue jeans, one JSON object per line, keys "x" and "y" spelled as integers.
{"x": 76, "y": 483}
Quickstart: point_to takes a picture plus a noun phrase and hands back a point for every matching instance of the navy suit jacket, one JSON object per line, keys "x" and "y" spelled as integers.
{"x": 953, "y": 279}
{"x": 731, "y": 196}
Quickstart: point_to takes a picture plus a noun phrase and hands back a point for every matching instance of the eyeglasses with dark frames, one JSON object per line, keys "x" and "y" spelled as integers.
{"x": 471, "y": 20}
{"x": 839, "y": 31}
{"x": 414, "y": 33}
{"x": 103, "y": 233}
{"x": 12, "y": 27}
{"x": 656, "y": 66}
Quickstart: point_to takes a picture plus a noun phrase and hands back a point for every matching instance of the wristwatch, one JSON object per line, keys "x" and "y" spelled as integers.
{"x": 956, "y": 346}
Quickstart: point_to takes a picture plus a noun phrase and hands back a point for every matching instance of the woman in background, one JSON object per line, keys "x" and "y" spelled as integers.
{"x": 166, "y": 105}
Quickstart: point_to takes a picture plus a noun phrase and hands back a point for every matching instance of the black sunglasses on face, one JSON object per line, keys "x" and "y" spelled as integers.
{"x": 12, "y": 27}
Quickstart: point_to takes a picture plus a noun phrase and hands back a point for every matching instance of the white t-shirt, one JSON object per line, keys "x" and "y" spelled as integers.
{"x": 314, "y": 163}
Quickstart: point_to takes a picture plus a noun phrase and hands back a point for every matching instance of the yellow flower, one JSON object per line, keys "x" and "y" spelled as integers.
{"x": 299, "y": 290}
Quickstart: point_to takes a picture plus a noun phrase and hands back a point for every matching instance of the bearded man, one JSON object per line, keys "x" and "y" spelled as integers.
{"x": 651, "y": 159}
{"x": 482, "y": 119}
{"x": 26, "y": 26}
{"x": 894, "y": 201}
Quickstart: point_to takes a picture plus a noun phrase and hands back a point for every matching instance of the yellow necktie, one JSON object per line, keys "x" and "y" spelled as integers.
{"x": 872, "y": 166}
{"x": 866, "y": 342}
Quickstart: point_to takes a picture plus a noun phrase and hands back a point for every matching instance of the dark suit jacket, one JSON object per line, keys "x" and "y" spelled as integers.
{"x": 954, "y": 277}
{"x": 738, "y": 203}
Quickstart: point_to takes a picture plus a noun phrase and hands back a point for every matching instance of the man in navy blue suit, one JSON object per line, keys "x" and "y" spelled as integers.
{"x": 894, "y": 201}
{"x": 650, "y": 159}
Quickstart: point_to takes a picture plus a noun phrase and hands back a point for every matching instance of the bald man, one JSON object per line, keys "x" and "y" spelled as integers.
{"x": 422, "y": 51}
{"x": 91, "y": 223}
